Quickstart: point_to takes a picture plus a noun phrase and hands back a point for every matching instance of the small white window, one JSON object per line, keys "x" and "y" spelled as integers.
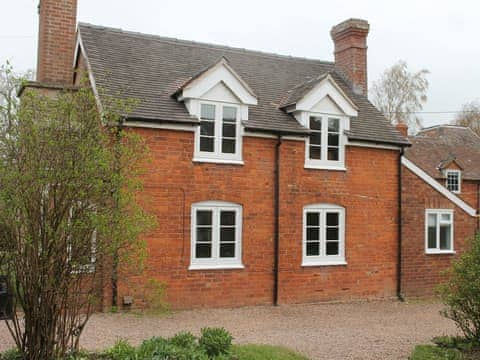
{"x": 218, "y": 136}
{"x": 438, "y": 231}
{"x": 453, "y": 180}
{"x": 216, "y": 236}
{"x": 325, "y": 145}
{"x": 323, "y": 235}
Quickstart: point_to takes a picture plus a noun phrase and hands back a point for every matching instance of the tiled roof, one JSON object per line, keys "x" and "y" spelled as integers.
{"x": 434, "y": 147}
{"x": 151, "y": 68}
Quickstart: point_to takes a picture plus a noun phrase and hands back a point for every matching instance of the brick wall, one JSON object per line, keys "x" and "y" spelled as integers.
{"x": 421, "y": 272}
{"x": 173, "y": 183}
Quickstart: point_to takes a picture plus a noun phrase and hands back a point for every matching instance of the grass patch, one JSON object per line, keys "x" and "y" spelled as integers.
{"x": 432, "y": 352}
{"x": 265, "y": 352}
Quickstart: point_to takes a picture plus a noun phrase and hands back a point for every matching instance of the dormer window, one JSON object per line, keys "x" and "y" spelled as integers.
{"x": 325, "y": 110}
{"x": 218, "y": 136}
{"x": 325, "y": 139}
{"x": 219, "y": 98}
{"x": 453, "y": 180}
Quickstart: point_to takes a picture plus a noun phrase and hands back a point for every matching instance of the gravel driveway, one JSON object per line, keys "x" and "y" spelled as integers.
{"x": 369, "y": 330}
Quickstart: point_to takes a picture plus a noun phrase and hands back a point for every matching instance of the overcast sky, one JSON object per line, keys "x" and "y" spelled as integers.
{"x": 441, "y": 36}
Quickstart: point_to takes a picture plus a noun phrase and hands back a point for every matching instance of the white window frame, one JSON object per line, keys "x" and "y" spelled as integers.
{"x": 324, "y": 260}
{"x": 459, "y": 174}
{"x": 324, "y": 163}
{"x": 217, "y": 156}
{"x": 215, "y": 262}
{"x": 438, "y": 213}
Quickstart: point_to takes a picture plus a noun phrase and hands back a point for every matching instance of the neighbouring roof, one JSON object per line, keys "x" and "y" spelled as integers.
{"x": 152, "y": 68}
{"x": 435, "y": 147}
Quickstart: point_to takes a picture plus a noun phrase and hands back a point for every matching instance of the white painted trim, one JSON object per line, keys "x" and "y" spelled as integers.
{"x": 437, "y": 186}
{"x": 327, "y": 87}
{"x": 324, "y": 260}
{"x": 163, "y": 126}
{"x": 456, "y": 171}
{"x": 220, "y": 73}
{"x": 325, "y": 167}
{"x": 259, "y": 135}
{"x": 438, "y": 213}
{"x": 218, "y": 161}
{"x": 90, "y": 74}
{"x": 215, "y": 262}
{"x": 373, "y": 145}
{"x": 294, "y": 138}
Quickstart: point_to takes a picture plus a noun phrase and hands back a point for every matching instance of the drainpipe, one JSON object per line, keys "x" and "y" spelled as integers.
{"x": 277, "y": 221}
{"x": 399, "y": 250}
{"x": 478, "y": 208}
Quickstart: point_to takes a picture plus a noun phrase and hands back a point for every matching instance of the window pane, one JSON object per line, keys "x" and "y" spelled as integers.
{"x": 316, "y": 138}
{"x": 204, "y": 217}
{"x": 313, "y": 249}
{"x": 227, "y": 234}
{"x": 313, "y": 234}
{"x": 208, "y": 112}
{"x": 332, "y": 234}
{"x": 207, "y": 128}
{"x": 313, "y": 219}
{"x": 204, "y": 234}
{"x": 333, "y": 125}
{"x": 203, "y": 251}
{"x": 228, "y": 146}
{"x": 229, "y": 130}
{"x": 227, "y": 218}
{"x": 445, "y": 217}
{"x": 315, "y": 152}
{"x": 332, "y": 219}
{"x": 333, "y": 154}
{"x": 333, "y": 139}
{"x": 445, "y": 237}
{"x": 332, "y": 248}
{"x": 229, "y": 114}
{"x": 432, "y": 231}
{"x": 206, "y": 144}
{"x": 227, "y": 250}
{"x": 315, "y": 123}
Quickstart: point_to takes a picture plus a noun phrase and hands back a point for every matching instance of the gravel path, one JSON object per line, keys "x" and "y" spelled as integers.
{"x": 369, "y": 330}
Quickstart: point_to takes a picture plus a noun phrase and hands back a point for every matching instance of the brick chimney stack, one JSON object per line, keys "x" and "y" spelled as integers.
{"x": 402, "y": 128}
{"x": 350, "y": 39}
{"x": 56, "y": 41}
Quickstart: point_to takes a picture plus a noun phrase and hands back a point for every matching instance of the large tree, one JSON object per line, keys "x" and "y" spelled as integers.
{"x": 469, "y": 116}
{"x": 400, "y": 93}
{"x": 68, "y": 183}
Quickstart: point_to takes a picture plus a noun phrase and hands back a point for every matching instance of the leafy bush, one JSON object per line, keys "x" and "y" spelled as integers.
{"x": 184, "y": 339}
{"x": 461, "y": 292}
{"x": 216, "y": 341}
{"x": 12, "y": 354}
{"x": 122, "y": 350}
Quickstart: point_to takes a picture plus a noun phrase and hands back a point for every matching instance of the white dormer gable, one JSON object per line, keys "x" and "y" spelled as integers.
{"x": 328, "y": 106}
{"x": 327, "y": 88}
{"x": 219, "y": 74}
{"x": 222, "y": 93}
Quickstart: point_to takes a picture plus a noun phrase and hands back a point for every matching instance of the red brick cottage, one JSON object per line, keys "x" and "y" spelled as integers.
{"x": 273, "y": 180}
{"x": 440, "y": 203}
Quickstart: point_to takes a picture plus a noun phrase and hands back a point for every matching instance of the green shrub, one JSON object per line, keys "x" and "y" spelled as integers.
{"x": 184, "y": 339}
{"x": 461, "y": 292}
{"x": 216, "y": 341}
{"x": 122, "y": 350}
{"x": 430, "y": 352}
{"x": 12, "y": 354}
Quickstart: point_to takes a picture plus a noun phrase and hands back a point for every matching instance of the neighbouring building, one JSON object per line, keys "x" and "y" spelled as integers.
{"x": 273, "y": 178}
{"x": 440, "y": 204}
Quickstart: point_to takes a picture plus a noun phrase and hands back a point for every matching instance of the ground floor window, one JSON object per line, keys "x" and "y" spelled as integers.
{"x": 438, "y": 231}
{"x": 323, "y": 235}
{"x": 216, "y": 235}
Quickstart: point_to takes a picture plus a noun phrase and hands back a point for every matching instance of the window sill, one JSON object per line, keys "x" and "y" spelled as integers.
{"x": 324, "y": 263}
{"x": 218, "y": 161}
{"x": 440, "y": 252}
{"x": 215, "y": 266}
{"x": 325, "y": 167}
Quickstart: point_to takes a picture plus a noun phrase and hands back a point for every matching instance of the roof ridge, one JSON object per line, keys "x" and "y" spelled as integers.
{"x": 428, "y": 128}
{"x": 204, "y": 44}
